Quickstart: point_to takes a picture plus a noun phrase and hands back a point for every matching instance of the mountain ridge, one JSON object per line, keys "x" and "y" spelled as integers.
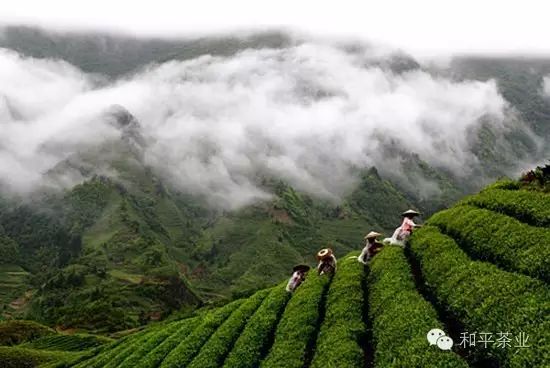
{"x": 109, "y": 225}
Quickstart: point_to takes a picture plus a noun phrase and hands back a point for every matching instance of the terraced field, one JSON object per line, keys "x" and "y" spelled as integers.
{"x": 478, "y": 269}
{"x": 13, "y": 284}
{"x": 60, "y": 342}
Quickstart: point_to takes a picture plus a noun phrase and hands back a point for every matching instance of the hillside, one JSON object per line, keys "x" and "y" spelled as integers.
{"x": 480, "y": 266}
{"x": 121, "y": 254}
{"x": 125, "y": 247}
{"x": 94, "y": 256}
{"x": 115, "y": 55}
{"x": 144, "y": 178}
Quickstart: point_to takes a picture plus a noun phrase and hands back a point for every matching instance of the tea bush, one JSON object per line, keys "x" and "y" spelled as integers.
{"x": 253, "y": 341}
{"x": 486, "y": 299}
{"x": 340, "y": 336}
{"x": 400, "y": 316}
{"x": 298, "y": 324}
{"x": 498, "y": 238}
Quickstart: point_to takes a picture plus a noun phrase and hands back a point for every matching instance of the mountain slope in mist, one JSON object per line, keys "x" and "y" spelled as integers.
{"x": 294, "y": 110}
{"x": 115, "y": 252}
{"x": 123, "y": 248}
{"x": 138, "y": 177}
{"x": 363, "y": 315}
{"x": 115, "y": 55}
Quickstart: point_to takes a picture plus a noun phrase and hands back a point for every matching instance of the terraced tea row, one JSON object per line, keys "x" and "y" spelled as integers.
{"x": 15, "y": 357}
{"x": 214, "y": 352}
{"x": 342, "y": 333}
{"x": 112, "y": 351}
{"x": 153, "y": 340}
{"x": 526, "y": 206}
{"x": 158, "y": 353}
{"x": 498, "y": 238}
{"x": 323, "y": 324}
{"x": 255, "y": 340}
{"x": 67, "y": 342}
{"x": 401, "y": 317}
{"x": 320, "y": 325}
{"x": 184, "y": 353}
{"x": 485, "y": 298}
{"x": 298, "y": 325}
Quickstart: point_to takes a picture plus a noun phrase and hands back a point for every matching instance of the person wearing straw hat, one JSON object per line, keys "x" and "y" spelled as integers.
{"x": 372, "y": 247}
{"x": 403, "y": 232}
{"x": 298, "y": 276}
{"x": 327, "y": 261}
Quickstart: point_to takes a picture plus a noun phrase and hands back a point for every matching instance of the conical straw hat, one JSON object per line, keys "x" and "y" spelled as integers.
{"x": 372, "y": 234}
{"x": 410, "y": 212}
{"x": 301, "y": 267}
{"x": 324, "y": 253}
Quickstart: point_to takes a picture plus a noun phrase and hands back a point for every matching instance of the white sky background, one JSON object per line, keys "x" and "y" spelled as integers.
{"x": 422, "y": 27}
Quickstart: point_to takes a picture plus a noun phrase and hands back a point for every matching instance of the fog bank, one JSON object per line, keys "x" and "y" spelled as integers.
{"x": 306, "y": 113}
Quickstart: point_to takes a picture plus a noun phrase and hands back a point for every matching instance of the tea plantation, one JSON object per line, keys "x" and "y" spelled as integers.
{"x": 479, "y": 269}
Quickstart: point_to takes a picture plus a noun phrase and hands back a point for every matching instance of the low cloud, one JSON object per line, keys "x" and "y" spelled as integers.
{"x": 307, "y": 113}
{"x": 546, "y": 86}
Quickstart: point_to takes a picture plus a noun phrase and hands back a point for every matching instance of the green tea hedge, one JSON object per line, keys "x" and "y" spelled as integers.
{"x": 213, "y": 353}
{"x": 505, "y": 184}
{"x": 71, "y": 360}
{"x": 497, "y": 238}
{"x": 254, "y": 339}
{"x": 153, "y": 340}
{"x": 128, "y": 350}
{"x": 339, "y": 340}
{"x": 15, "y": 357}
{"x": 158, "y": 353}
{"x": 182, "y": 355}
{"x": 76, "y": 342}
{"x": 486, "y": 299}
{"x": 401, "y": 317}
{"x": 298, "y": 324}
{"x": 111, "y": 351}
{"x": 527, "y": 206}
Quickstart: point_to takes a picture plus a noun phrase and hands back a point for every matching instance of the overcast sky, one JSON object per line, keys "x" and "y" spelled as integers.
{"x": 423, "y": 27}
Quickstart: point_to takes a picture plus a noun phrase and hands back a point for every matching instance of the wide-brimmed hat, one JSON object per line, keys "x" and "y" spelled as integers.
{"x": 301, "y": 267}
{"x": 410, "y": 213}
{"x": 372, "y": 234}
{"x": 324, "y": 253}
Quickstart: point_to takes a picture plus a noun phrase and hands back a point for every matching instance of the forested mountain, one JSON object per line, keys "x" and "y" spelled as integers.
{"x": 386, "y": 313}
{"x": 115, "y": 55}
{"x": 114, "y": 253}
{"x": 116, "y": 234}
